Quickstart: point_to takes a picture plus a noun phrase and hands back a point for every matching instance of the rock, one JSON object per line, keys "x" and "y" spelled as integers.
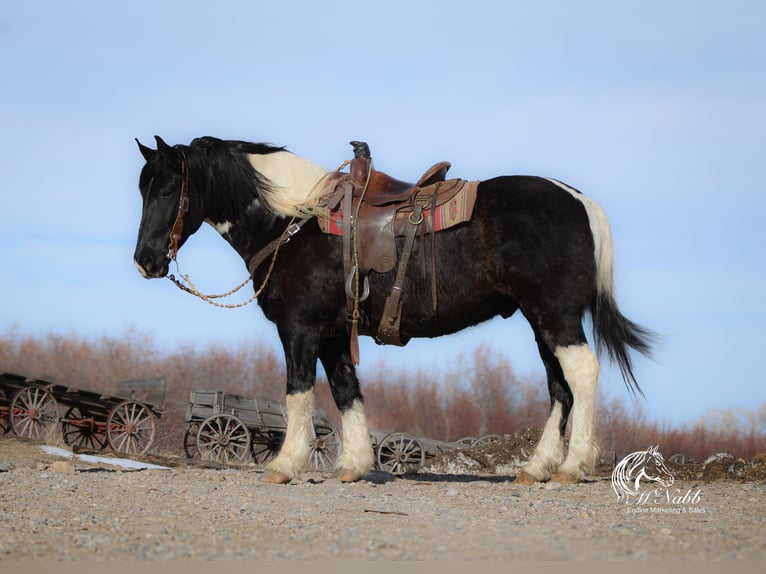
{"x": 62, "y": 467}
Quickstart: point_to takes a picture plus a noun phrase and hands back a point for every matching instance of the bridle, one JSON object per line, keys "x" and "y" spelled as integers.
{"x": 183, "y": 209}
{"x": 175, "y": 238}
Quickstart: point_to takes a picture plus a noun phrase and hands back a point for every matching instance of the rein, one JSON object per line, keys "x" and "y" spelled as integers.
{"x": 271, "y": 248}
{"x": 262, "y": 254}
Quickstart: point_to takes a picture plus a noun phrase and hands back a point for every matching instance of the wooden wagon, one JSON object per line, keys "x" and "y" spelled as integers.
{"x": 229, "y": 428}
{"x": 31, "y": 408}
{"x": 401, "y": 452}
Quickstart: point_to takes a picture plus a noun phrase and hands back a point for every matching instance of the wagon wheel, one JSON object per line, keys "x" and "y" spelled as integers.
{"x": 223, "y": 438}
{"x": 34, "y": 413}
{"x": 486, "y": 439}
{"x": 190, "y": 440}
{"x": 131, "y": 428}
{"x": 81, "y": 431}
{"x": 400, "y": 452}
{"x": 5, "y": 421}
{"x": 266, "y": 444}
{"x": 325, "y": 447}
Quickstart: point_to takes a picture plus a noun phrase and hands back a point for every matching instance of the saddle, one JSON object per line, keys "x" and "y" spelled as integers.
{"x": 370, "y": 209}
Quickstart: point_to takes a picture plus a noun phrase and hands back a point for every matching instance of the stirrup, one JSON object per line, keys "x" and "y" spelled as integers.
{"x": 350, "y": 286}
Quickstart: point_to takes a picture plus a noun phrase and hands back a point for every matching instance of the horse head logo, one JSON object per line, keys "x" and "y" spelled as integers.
{"x": 647, "y": 465}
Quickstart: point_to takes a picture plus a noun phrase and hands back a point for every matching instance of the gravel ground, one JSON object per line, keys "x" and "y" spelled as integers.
{"x": 64, "y": 509}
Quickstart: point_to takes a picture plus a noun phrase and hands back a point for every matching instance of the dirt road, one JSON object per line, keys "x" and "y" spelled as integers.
{"x": 55, "y": 508}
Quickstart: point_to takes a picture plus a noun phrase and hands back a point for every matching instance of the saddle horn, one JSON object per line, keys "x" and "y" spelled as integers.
{"x": 361, "y": 150}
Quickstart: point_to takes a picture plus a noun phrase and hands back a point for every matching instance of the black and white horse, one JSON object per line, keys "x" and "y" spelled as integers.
{"x": 533, "y": 244}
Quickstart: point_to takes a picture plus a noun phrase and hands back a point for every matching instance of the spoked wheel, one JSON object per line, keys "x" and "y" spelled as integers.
{"x": 190, "y": 440}
{"x": 131, "y": 428}
{"x": 325, "y": 448}
{"x": 266, "y": 444}
{"x": 223, "y": 438}
{"x": 400, "y": 452}
{"x": 34, "y": 413}
{"x": 79, "y": 430}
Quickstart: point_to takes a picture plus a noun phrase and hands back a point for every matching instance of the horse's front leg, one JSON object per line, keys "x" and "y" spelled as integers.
{"x": 357, "y": 457}
{"x": 301, "y": 352}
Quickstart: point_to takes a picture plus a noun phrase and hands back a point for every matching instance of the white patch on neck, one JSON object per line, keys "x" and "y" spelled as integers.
{"x": 222, "y": 228}
{"x": 294, "y": 181}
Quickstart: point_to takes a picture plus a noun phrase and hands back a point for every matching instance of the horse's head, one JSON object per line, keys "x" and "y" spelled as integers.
{"x": 170, "y": 212}
{"x": 655, "y": 468}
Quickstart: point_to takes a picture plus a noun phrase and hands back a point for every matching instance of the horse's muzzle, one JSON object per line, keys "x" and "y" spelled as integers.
{"x": 151, "y": 267}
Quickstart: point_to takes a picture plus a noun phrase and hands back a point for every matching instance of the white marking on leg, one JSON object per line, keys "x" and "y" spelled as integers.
{"x": 549, "y": 452}
{"x": 294, "y": 182}
{"x": 581, "y": 370}
{"x": 294, "y": 454}
{"x": 357, "y": 456}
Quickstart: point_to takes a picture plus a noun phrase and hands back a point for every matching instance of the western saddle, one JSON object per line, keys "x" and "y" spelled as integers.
{"x": 369, "y": 208}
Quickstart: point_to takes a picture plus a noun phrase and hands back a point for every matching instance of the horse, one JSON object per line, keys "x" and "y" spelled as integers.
{"x": 648, "y": 465}
{"x": 533, "y": 244}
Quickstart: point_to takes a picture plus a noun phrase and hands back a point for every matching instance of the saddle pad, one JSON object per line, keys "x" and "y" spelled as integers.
{"x": 456, "y": 210}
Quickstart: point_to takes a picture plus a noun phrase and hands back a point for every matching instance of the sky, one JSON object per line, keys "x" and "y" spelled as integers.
{"x": 656, "y": 110}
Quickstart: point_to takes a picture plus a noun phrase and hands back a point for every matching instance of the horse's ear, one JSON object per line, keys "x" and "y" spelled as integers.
{"x": 162, "y": 147}
{"x": 168, "y": 153}
{"x": 147, "y": 152}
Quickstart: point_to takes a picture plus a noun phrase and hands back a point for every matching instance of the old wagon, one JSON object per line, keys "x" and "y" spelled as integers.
{"x": 229, "y": 428}
{"x": 401, "y": 452}
{"x": 125, "y": 422}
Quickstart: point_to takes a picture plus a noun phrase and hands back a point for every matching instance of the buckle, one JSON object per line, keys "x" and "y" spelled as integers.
{"x": 291, "y": 230}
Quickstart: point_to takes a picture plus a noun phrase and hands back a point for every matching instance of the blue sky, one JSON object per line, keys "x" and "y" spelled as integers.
{"x": 657, "y": 110}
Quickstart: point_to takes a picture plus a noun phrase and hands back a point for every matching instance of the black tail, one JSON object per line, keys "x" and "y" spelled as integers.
{"x": 613, "y": 331}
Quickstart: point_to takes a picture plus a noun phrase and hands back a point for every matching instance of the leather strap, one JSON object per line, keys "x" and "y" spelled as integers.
{"x": 292, "y": 228}
{"x": 388, "y": 330}
{"x": 176, "y": 231}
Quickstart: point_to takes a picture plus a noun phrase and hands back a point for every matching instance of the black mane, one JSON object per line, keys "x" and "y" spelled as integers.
{"x": 223, "y": 165}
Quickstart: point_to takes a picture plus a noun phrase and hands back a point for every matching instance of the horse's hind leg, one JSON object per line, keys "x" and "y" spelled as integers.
{"x": 549, "y": 453}
{"x": 581, "y": 370}
{"x": 568, "y": 357}
{"x": 357, "y": 458}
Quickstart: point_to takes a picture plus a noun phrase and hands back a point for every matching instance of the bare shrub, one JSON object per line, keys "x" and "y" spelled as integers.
{"x": 476, "y": 394}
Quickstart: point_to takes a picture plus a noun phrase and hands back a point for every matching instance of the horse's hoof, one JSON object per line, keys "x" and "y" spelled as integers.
{"x": 525, "y": 478}
{"x": 566, "y": 478}
{"x": 276, "y": 477}
{"x": 348, "y": 475}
